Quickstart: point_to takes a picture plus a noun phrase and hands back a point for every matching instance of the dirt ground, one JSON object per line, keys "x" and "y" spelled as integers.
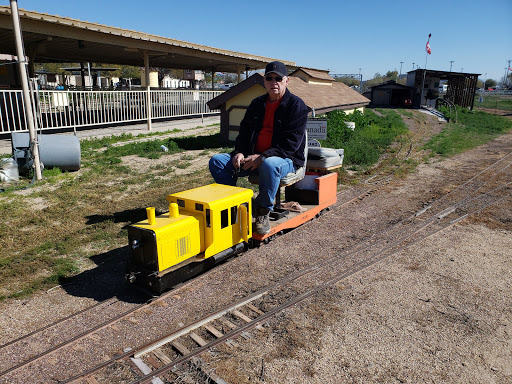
{"x": 439, "y": 311}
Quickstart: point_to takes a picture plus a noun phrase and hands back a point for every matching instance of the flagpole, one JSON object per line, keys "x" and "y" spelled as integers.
{"x": 425, "y": 70}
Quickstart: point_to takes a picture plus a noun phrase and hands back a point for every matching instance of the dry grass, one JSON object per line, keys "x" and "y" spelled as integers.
{"x": 55, "y": 228}
{"x": 66, "y": 223}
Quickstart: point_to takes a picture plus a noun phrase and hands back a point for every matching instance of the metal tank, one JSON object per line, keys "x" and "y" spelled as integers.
{"x": 61, "y": 151}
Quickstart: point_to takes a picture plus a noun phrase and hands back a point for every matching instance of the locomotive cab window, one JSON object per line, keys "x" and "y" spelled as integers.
{"x": 208, "y": 219}
{"x": 199, "y": 207}
{"x": 224, "y": 218}
{"x": 181, "y": 203}
{"x": 234, "y": 215}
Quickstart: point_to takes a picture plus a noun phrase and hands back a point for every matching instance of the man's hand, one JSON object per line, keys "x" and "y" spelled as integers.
{"x": 238, "y": 160}
{"x": 252, "y": 162}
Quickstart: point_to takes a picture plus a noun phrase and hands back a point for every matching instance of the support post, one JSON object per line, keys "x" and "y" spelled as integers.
{"x": 148, "y": 89}
{"x": 82, "y": 74}
{"x": 90, "y": 77}
{"x": 22, "y": 65}
{"x": 239, "y": 71}
{"x": 213, "y": 80}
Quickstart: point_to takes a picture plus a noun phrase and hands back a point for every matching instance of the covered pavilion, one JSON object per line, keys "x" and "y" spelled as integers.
{"x": 50, "y": 38}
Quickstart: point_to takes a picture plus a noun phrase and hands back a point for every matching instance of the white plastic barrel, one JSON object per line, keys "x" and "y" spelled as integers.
{"x": 61, "y": 151}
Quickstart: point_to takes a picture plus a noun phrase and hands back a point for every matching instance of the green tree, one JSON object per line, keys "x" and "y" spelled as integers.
{"x": 392, "y": 75}
{"x": 127, "y": 72}
{"x": 208, "y": 78}
{"x": 350, "y": 81}
{"x": 379, "y": 79}
{"x": 490, "y": 83}
{"x": 230, "y": 78}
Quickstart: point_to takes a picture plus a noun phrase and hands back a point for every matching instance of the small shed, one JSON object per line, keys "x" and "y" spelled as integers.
{"x": 460, "y": 91}
{"x": 390, "y": 94}
{"x": 320, "y": 92}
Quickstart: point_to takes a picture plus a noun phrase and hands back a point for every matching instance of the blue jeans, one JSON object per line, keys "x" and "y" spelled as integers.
{"x": 270, "y": 173}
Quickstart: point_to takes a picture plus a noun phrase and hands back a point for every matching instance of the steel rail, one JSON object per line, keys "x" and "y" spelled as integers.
{"x": 302, "y": 297}
{"x": 289, "y": 278}
{"x": 71, "y": 340}
{"x": 91, "y": 330}
{"x": 395, "y": 156}
{"x": 56, "y": 322}
{"x": 315, "y": 268}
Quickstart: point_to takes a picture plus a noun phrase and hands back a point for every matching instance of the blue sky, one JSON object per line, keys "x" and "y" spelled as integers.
{"x": 336, "y": 35}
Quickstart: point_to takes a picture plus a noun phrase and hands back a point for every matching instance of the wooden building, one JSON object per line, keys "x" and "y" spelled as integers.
{"x": 320, "y": 92}
{"x": 390, "y": 94}
{"x": 460, "y": 91}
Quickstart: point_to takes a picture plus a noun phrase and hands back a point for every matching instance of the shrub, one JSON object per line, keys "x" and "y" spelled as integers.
{"x": 372, "y": 135}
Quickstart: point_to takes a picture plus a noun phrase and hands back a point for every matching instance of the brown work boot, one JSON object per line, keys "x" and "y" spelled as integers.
{"x": 262, "y": 224}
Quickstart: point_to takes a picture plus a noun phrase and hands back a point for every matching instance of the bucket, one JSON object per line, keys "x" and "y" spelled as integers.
{"x": 9, "y": 170}
{"x": 61, "y": 151}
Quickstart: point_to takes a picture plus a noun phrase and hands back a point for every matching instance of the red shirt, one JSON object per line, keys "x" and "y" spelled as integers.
{"x": 265, "y": 136}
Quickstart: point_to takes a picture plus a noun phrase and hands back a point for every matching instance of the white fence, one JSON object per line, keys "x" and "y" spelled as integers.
{"x": 71, "y": 109}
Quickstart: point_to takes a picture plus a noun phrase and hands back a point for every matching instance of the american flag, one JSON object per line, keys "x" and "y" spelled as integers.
{"x": 427, "y": 48}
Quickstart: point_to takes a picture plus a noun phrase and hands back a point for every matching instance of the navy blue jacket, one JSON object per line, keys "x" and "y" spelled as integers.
{"x": 288, "y": 139}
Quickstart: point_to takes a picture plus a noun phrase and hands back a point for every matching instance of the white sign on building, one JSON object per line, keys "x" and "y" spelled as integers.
{"x": 317, "y": 129}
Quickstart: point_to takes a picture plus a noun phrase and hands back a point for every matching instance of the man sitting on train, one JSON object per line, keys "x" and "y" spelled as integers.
{"x": 270, "y": 143}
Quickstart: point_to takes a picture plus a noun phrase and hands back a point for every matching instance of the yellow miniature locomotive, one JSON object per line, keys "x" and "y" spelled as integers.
{"x": 207, "y": 225}
{"x": 204, "y": 226}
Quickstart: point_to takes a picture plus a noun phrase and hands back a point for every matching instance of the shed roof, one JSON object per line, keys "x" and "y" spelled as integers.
{"x": 444, "y": 74}
{"x": 314, "y": 73}
{"x": 316, "y": 96}
{"x": 390, "y": 84}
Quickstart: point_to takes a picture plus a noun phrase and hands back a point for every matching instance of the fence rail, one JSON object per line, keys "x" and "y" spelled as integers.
{"x": 71, "y": 109}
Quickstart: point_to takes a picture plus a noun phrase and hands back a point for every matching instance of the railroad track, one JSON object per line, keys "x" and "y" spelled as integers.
{"x": 407, "y": 143}
{"x": 364, "y": 258}
{"x": 158, "y": 357}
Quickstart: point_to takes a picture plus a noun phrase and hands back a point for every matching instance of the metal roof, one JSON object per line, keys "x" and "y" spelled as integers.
{"x": 444, "y": 74}
{"x": 49, "y": 38}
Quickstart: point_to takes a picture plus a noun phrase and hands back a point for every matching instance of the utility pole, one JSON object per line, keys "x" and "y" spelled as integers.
{"x": 413, "y": 66}
{"x": 506, "y": 76}
{"x": 22, "y": 65}
{"x": 451, "y": 63}
{"x": 400, "y": 76}
{"x": 360, "y": 82}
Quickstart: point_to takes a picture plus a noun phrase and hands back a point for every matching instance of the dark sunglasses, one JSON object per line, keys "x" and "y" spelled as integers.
{"x": 277, "y": 78}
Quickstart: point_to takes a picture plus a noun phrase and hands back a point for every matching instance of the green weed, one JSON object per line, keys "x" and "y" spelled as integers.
{"x": 473, "y": 128}
{"x": 182, "y": 164}
{"x": 503, "y": 102}
{"x": 372, "y": 136}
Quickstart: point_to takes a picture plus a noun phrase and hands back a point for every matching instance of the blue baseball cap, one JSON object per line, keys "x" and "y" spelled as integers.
{"x": 276, "y": 67}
